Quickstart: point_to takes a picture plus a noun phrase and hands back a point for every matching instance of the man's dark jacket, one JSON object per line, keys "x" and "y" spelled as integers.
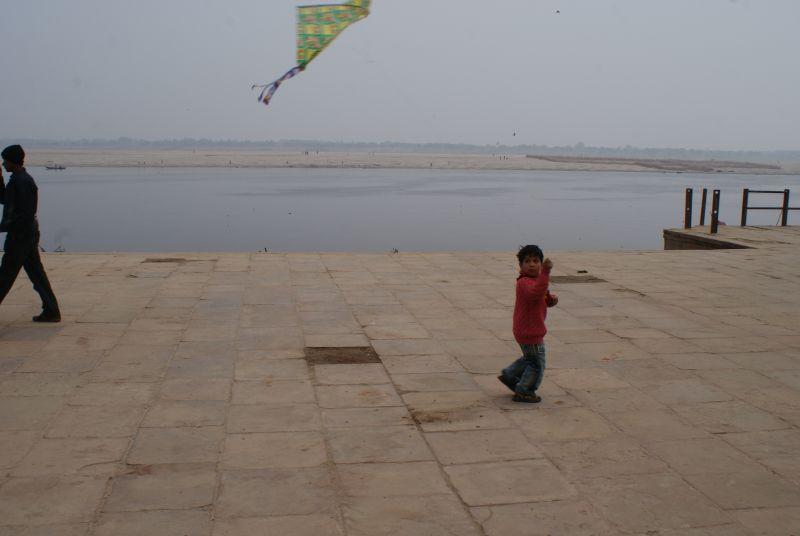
{"x": 20, "y": 198}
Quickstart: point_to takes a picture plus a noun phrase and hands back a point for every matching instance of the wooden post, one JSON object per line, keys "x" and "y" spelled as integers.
{"x": 687, "y": 212}
{"x": 785, "y": 208}
{"x": 745, "y": 200}
{"x": 715, "y": 212}
{"x": 703, "y": 207}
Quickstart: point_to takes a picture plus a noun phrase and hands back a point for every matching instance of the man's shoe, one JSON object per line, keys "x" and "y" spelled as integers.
{"x": 47, "y": 317}
{"x": 528, "y": 399}
{"x": 508, "y": 382}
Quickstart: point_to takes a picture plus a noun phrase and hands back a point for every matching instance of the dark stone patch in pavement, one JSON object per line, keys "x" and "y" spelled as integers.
{"x": 340, "y": 356}
{"x": 575, "y": 279}
{"x": 178, "y": 260}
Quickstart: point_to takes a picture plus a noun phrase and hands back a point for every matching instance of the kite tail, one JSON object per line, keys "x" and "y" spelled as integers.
{"x": 268, "y": 90}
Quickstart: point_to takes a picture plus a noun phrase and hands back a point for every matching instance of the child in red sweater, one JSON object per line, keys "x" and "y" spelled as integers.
{"x": 524, "y": 376}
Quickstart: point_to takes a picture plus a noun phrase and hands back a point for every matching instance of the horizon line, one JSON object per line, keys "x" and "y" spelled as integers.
{"x": 126, "y": 140}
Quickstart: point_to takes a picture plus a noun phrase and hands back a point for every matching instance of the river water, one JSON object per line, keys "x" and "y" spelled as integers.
{"x": 230, "y": 209}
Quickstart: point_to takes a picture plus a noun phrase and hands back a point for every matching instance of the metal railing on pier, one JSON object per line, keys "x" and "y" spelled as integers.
{"x": 784, "y": 208}
{"x": 687, "y": 215}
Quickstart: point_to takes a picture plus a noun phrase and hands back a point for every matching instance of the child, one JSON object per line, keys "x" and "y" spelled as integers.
{"x": 524, "y": 376}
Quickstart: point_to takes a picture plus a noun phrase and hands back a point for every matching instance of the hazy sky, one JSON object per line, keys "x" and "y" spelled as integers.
{"x": 717, "y": 74}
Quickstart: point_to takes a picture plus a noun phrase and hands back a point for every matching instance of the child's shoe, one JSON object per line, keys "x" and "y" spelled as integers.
{"x": 511, "y": 384}
{"x": 528, "y": 399}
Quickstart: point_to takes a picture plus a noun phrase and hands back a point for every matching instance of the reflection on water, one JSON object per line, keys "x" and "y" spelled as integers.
{"x": 219, "y": 209}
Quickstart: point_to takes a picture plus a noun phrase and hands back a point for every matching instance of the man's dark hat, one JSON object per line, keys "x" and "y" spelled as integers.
{"x": 14, "y": 154}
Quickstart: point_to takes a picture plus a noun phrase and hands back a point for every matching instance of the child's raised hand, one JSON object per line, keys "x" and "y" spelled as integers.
{"x": 547, "y": 264}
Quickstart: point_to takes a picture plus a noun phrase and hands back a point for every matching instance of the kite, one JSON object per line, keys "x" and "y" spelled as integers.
{"x": 317, "y": 27}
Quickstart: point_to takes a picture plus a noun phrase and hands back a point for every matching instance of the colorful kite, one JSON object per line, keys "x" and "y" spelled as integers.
{"x": 317, "y": 27}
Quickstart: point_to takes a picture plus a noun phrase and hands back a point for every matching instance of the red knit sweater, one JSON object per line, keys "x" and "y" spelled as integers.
{"x": 530, "y": 308}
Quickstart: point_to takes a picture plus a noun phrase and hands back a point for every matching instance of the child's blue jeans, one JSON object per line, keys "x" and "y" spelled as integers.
{"x": 528, "y": 370}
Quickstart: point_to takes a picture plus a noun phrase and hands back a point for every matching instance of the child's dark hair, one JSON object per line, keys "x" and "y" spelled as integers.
{"x": 527, "y": 251}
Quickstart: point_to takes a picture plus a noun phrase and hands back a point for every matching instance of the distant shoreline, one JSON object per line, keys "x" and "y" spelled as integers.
{"x": 219, "y": 158}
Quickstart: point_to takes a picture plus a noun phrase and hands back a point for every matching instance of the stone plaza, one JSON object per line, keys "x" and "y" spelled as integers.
{"x": 179, "y": 397}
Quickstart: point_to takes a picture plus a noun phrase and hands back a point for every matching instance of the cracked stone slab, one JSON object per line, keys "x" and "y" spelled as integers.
{"x": 509, "y": 482}
{"x": 481, "y": 446}
{"x": 770, "y": 521}
{"x": 250, "y": 418}
{"x": 296, "y": 525}
{"x": 348, "y": 374}
{"x": 421, "y": 364}
{"x": 365, "y": 417}
{"x": 154, "y": 523}
{"x": 15, "y": 445}
{"x": 615, "y": 455}
{"x": 407, "y": 516}
{"x": 29, "y": 412}
{"x": 154, "y": 446}
{"x": 162, "y": 487}
{"x": 71, "y": 529}
{"x": 50, "y": 499}
{"x": 196, "y": 389}
{"x": 655, "y": 502}
{"x": 39, "y": 384}
{"x": 357, "y": 396}
{"x": 392, "y": 479}
{"x": 106, "y": 393}
{"x": 273, "y": 393}
{"x": 562, "y": 424}
{"x": 174, "y": 413}
{"x": 275, "y": 492}
{"x": 747, "y": 488}
{"x": 387, "y": 444}
{"x": 274, "y": 450}
{"x": 91, "y": 457}
{"x": 733, "y": 416}
{"x": 576, "y": 518}
{"x": 701, "y": 456}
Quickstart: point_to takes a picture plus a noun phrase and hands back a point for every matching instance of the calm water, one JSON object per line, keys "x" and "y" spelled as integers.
{"x": 209, "y": 209}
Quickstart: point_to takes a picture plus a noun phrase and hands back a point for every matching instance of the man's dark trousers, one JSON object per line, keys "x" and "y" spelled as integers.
{"x": 22, "y": 251}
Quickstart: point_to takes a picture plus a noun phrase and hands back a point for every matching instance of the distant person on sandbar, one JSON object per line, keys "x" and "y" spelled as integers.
{"x": 524, "y": 376}
{"x": 20, "y": 199}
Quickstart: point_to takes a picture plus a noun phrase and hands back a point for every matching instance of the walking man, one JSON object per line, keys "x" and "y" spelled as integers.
{"x": 20, "y": 199}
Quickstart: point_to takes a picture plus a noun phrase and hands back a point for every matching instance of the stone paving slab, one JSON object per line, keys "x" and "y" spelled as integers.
{"x": 174, "y": 398}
